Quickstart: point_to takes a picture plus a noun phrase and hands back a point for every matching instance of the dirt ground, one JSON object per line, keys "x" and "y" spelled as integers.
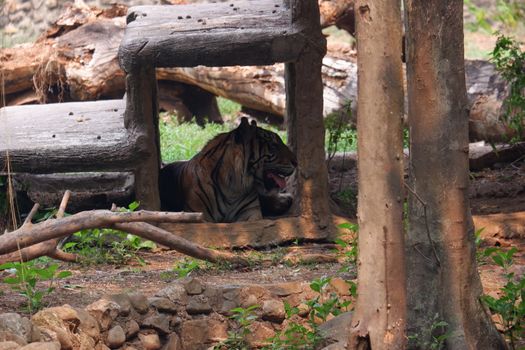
{"x": 501, "y": 189}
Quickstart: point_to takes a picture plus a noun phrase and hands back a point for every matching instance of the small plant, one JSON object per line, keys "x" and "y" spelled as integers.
{"x": 341, "y": 136}
{"x": 186, "y": 267}
{"x": 433, "y": 338}
{"x": 510, "y": 306}
{"x": 507, "y": 15}
{"x": 510, "y": 62}
{"x": 297, "y": 336}
{"x": 349, "y": 248}
{"x": 25, "y": 279}
{"x": 236, "y": 340}
{"x": 92, "y": 245}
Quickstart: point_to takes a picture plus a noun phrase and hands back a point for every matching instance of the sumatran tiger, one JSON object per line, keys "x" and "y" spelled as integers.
{"x": 237, "y": 176}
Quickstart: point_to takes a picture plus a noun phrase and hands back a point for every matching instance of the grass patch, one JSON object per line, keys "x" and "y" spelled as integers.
{"x": 181, "y": 141}
{"x": 229, "y": 109}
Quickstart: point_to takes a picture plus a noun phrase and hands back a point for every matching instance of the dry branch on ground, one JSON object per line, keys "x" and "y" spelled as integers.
{"x": 34, "y": 240}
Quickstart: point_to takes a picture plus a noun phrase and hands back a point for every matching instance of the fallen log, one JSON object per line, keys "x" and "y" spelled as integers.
{"x": 34, "y": 240}
{"x": 77, "y": 60}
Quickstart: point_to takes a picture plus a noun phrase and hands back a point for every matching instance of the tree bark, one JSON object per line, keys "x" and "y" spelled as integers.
{"x": 443, "y": 282}
{"x": 380, "y": 314}
{"x": 305, "y": 120}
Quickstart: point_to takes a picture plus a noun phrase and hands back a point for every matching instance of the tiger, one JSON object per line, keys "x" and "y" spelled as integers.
{"x": 238, "y": 176}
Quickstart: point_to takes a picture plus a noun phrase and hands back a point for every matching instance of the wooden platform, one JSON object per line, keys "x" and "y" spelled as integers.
{"x": 68, "y": 137}
{"x": 249, "y": 32}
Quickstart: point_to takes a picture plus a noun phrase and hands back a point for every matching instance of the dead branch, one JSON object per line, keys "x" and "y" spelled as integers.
{"x": 31, "y": 234}
{"x": 179, "y": 244}
{"x": 47, "y": 248}
{"x": 35, "y": 240}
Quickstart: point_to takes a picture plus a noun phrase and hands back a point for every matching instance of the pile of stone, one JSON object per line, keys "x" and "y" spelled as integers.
{"x": 187, "y": 315}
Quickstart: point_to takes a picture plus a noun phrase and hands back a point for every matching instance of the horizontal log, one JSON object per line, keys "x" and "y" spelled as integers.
{"x": 255, "y": 234}
{"x": 218, "y": 34}
{"x": 68, "y": 137}
{"x": 89, "y": 190}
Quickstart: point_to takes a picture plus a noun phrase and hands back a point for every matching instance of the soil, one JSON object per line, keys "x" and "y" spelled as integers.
{"x": 500, "y": 189}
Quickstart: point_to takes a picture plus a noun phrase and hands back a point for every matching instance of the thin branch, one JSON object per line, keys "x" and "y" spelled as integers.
{"x": 63, "y": 204}
{"x": 424, "y": 204}
{"x": 31, "y": 214}
{"x": 178, "y": 243}
{"x": 58, "y": 253}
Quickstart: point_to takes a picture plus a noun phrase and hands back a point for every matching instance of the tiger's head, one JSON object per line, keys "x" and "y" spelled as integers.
{"x": 270, "y": 160}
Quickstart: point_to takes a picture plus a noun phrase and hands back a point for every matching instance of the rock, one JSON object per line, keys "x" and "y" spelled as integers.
{"x": 304, "y": 310}
{"x": 175, "y": 292}
{"x": 65, "y": 313}
{"x": 175, "y": 321}
{"x": 88, "y": 324}
{"x": 286, "y": 289}
{"x": 11, "y": 337}
{"x": 250, "y": 300}
{"x": 131, "y": 329}
{"x": 10, "y": 345}
{"x": 123, "y": 301}
{"x": 173, "y": 343}
{"x": 104, "y": 311}
{"x": 159, "y": 322}
{"x": 273, "y": 310}
{"x": 339, "y": 286}
{"x": 150, "y": 341}
{"x": 227, "y": 306}
{"x": 163, "y": 304}
{"x": 86, "y": 342}
{"x": 198, "y": 304}
{"x": 336, "y": 329}
{"x": 250, "y": 295}
{"x": 139, "y": 302}
{"x": 16, "y": 324}
{"x": 41, "y": 346}
{"x": 116, "y": 337}
{"x": 259, "y": 334}
{"x": 193, "y": 286}
{"x": 101, "y": 346}
{"x": 194, "y": 337}
{"x": 54, "y": 328}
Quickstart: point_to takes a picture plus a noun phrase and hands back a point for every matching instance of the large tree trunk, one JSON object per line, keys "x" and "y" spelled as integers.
{"x": 379, "y": 319}
{"x": 305, "y": 122}
{"x": 443, "y": 281}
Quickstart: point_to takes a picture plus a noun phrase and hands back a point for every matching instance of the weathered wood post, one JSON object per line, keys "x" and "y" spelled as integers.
{"x": 304, "y": 115}
{"x": 141, "y": 117}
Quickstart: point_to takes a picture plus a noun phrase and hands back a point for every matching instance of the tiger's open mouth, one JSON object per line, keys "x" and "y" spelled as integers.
{"x": 276, "y": 178}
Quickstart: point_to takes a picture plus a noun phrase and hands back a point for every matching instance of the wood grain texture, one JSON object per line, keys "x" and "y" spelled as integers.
{"x": 67, "y": 137}
{"x": 244, "y": 32}
{"x": 255, "y": 234}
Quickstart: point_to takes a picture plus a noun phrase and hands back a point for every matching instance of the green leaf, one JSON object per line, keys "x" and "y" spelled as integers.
{"x": 8, "y": 265}
{"x": 12, "y": 280}
{"x": 64, "y": 274}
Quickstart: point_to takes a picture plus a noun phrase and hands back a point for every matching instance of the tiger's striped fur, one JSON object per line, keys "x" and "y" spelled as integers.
{"x": 231, "y": 176}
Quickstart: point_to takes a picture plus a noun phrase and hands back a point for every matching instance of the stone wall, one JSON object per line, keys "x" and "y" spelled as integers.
{"x": 187, "y": 315}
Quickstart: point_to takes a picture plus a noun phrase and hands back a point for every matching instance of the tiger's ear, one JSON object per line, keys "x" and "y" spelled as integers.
{"x": 245, "y": 131}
